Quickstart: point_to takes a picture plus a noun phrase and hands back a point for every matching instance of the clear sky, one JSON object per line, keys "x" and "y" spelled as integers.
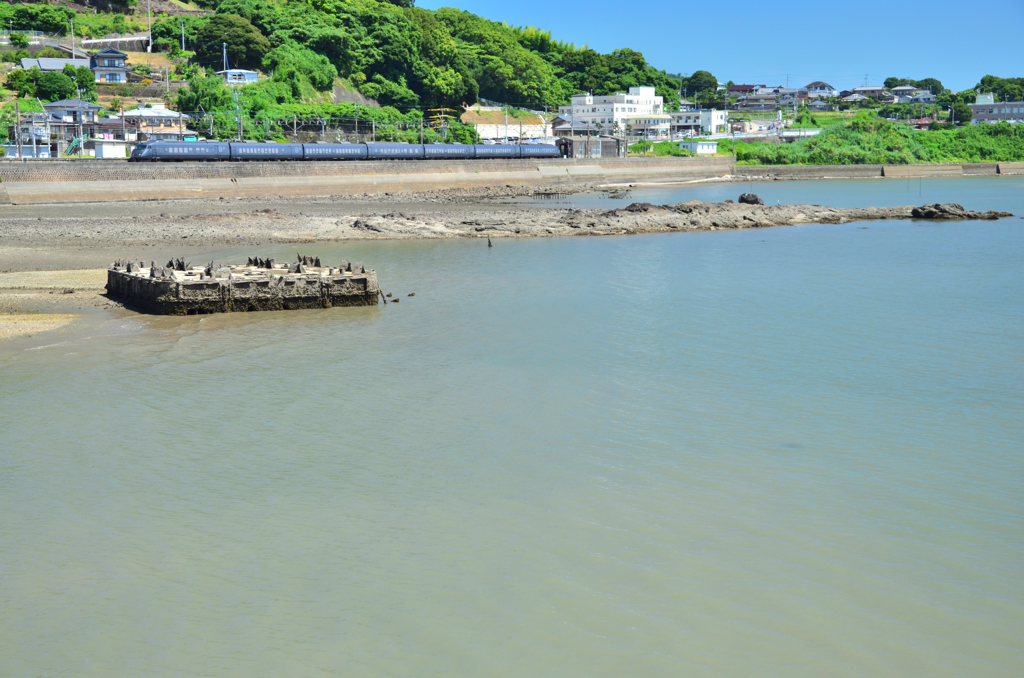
{"x": 762, "y": 42}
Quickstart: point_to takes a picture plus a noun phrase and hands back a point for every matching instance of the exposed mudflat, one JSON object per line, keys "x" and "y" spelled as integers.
{"x": 329, "y": 222}
{"x": 55, "y": 237}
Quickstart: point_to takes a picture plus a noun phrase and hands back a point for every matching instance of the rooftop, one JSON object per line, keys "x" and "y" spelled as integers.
{"x": 76, "y": 104}
{"x": 51, "y": 64}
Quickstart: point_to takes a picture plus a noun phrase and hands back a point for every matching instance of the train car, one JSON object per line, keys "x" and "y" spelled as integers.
{"x": 449, "y": 151}
{"x": 394, "y": 151}
{"x": 540, "y": 151}
{"x": 178, "y": 151}
{"x": 498, "y": 151}
{"x": 265, "y": 151}
{"x": 322, "y": 151}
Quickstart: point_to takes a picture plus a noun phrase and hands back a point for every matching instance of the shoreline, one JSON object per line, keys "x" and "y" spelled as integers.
{"x": 69, "y": 252}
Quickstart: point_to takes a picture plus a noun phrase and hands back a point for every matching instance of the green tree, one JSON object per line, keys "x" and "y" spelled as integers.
{"x": 246, "y": 46}
{"x": 204, "y": 93}
{"x": 54, "y": 85}
{"x": 19, "y": 40}
{"x": 960, "y": 114}
{"x": 14, "y": 55}
{"x": 84, "y": 80}
{"x": 23, "y": 81}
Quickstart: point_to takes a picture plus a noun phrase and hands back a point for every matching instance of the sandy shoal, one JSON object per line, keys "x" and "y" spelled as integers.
{"x": 22, "y": 325}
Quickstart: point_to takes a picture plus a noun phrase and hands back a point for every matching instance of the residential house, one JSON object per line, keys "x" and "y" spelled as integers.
{"x": 845, "y": 93}
{"x": 109, "y": 65}
{"x": 759, "y": 102}
{"x": 923, "y": 97}
{"x": 238, "y": 76}
{"x": 744, "y": 89}
{"x": 819, "y": 89}
{"x": 48, "y": 64}
{"x": 649, "y": 125}
{"x": 985, "y": 109}
{"x": 72, "y": 125}
{"x": 905, "y": 91}
{"x": 685, "y": 105}
{"x": 789, "y": 97}
{"x": 855, "y": 99}
{"x": 685, "y": 121}
{"x": 819, "y": 105}
{"x": 491, "y": 122}
{"x": 158, "y": 123}
{"x": 72, "y": 110}
{"x": 871, "y": 91}
{"x": 615, "y": 111}
{"x": 713, "y": 122}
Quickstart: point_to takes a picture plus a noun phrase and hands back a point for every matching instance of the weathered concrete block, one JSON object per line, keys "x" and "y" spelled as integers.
{"x": 229, "y": 289}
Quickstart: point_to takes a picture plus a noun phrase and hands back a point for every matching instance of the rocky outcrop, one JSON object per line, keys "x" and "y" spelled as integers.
{"x": 751, "y": 199}
{"x": 426, "y": 220}
{"x": 952, "y": 210}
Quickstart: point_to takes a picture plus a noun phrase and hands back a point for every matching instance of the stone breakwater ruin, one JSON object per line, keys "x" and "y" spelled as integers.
{"x": 179, "y": 288}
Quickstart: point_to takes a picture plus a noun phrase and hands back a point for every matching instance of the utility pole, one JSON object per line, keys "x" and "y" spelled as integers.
{"x": 72, "y": 22}
{"x": 224, "y": 46}
{"x": 149, "y": 17}
{"x": 295, "y": 128}
{"x": 238, "y": 115}
{"x": 124, "y": 134}
{"x": 421, "y": 130}
{"x": 182, "y": 35}
{"x": 373, "y": 131}
{"x": 17, "y": 122}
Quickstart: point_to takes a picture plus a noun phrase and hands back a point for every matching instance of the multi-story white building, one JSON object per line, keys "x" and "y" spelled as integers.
{"x": 613, "y": 111}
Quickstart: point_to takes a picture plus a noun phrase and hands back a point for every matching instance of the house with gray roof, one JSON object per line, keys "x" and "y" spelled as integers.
{"x": 47, "y": 64}
{"x": 108, "y": 65}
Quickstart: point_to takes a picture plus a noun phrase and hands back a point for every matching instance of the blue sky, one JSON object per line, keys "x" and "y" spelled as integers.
{"x": 762, "y": 42}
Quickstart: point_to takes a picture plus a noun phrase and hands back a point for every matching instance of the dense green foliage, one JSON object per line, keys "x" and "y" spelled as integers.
{"x": 931, "y": 84}
{"x": 14, "y": 55}
{"x": 1005, "y": 89}
{"x": 407, "y": 57}
{"x": 53, "y": 85}
{"x": 245, "y": 45}
{"x": 53, "y": 20}
{"x": 868, "y": 139}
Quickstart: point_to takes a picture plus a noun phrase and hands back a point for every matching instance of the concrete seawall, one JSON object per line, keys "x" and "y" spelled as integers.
{"x": 73, "y": 181}
{"x": 101, "y": 181}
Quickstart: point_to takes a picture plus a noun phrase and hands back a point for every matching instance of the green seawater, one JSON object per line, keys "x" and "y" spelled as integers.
{"x": 786, "y": 452}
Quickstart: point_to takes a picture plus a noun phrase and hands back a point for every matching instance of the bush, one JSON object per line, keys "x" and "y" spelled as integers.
{"x": 14, "y": 55}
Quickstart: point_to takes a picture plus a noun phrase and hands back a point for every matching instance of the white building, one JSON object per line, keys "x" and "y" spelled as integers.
{"x": 614, "y": 111}
{"x": 702, "y": 147}
{"x": 714, "y": 122}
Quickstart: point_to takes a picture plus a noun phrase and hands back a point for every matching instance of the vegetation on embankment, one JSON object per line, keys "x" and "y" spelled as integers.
{"x": 870, "y": 140}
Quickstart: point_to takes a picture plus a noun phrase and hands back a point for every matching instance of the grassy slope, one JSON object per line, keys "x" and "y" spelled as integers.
{"x": 870, "y": 140}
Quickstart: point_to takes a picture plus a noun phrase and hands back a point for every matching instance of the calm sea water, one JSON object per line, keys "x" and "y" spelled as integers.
{"x": 786, "y": 452}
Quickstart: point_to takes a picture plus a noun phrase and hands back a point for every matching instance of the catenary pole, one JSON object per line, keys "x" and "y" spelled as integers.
{"x": 17, "y": 122}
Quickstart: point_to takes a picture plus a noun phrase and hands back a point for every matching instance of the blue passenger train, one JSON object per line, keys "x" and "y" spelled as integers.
{"x": 212, "y": 151}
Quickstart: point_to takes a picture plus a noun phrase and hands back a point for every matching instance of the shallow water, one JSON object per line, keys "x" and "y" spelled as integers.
{"x": 975, "y": 193}
{"x": 785, "y": 452}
